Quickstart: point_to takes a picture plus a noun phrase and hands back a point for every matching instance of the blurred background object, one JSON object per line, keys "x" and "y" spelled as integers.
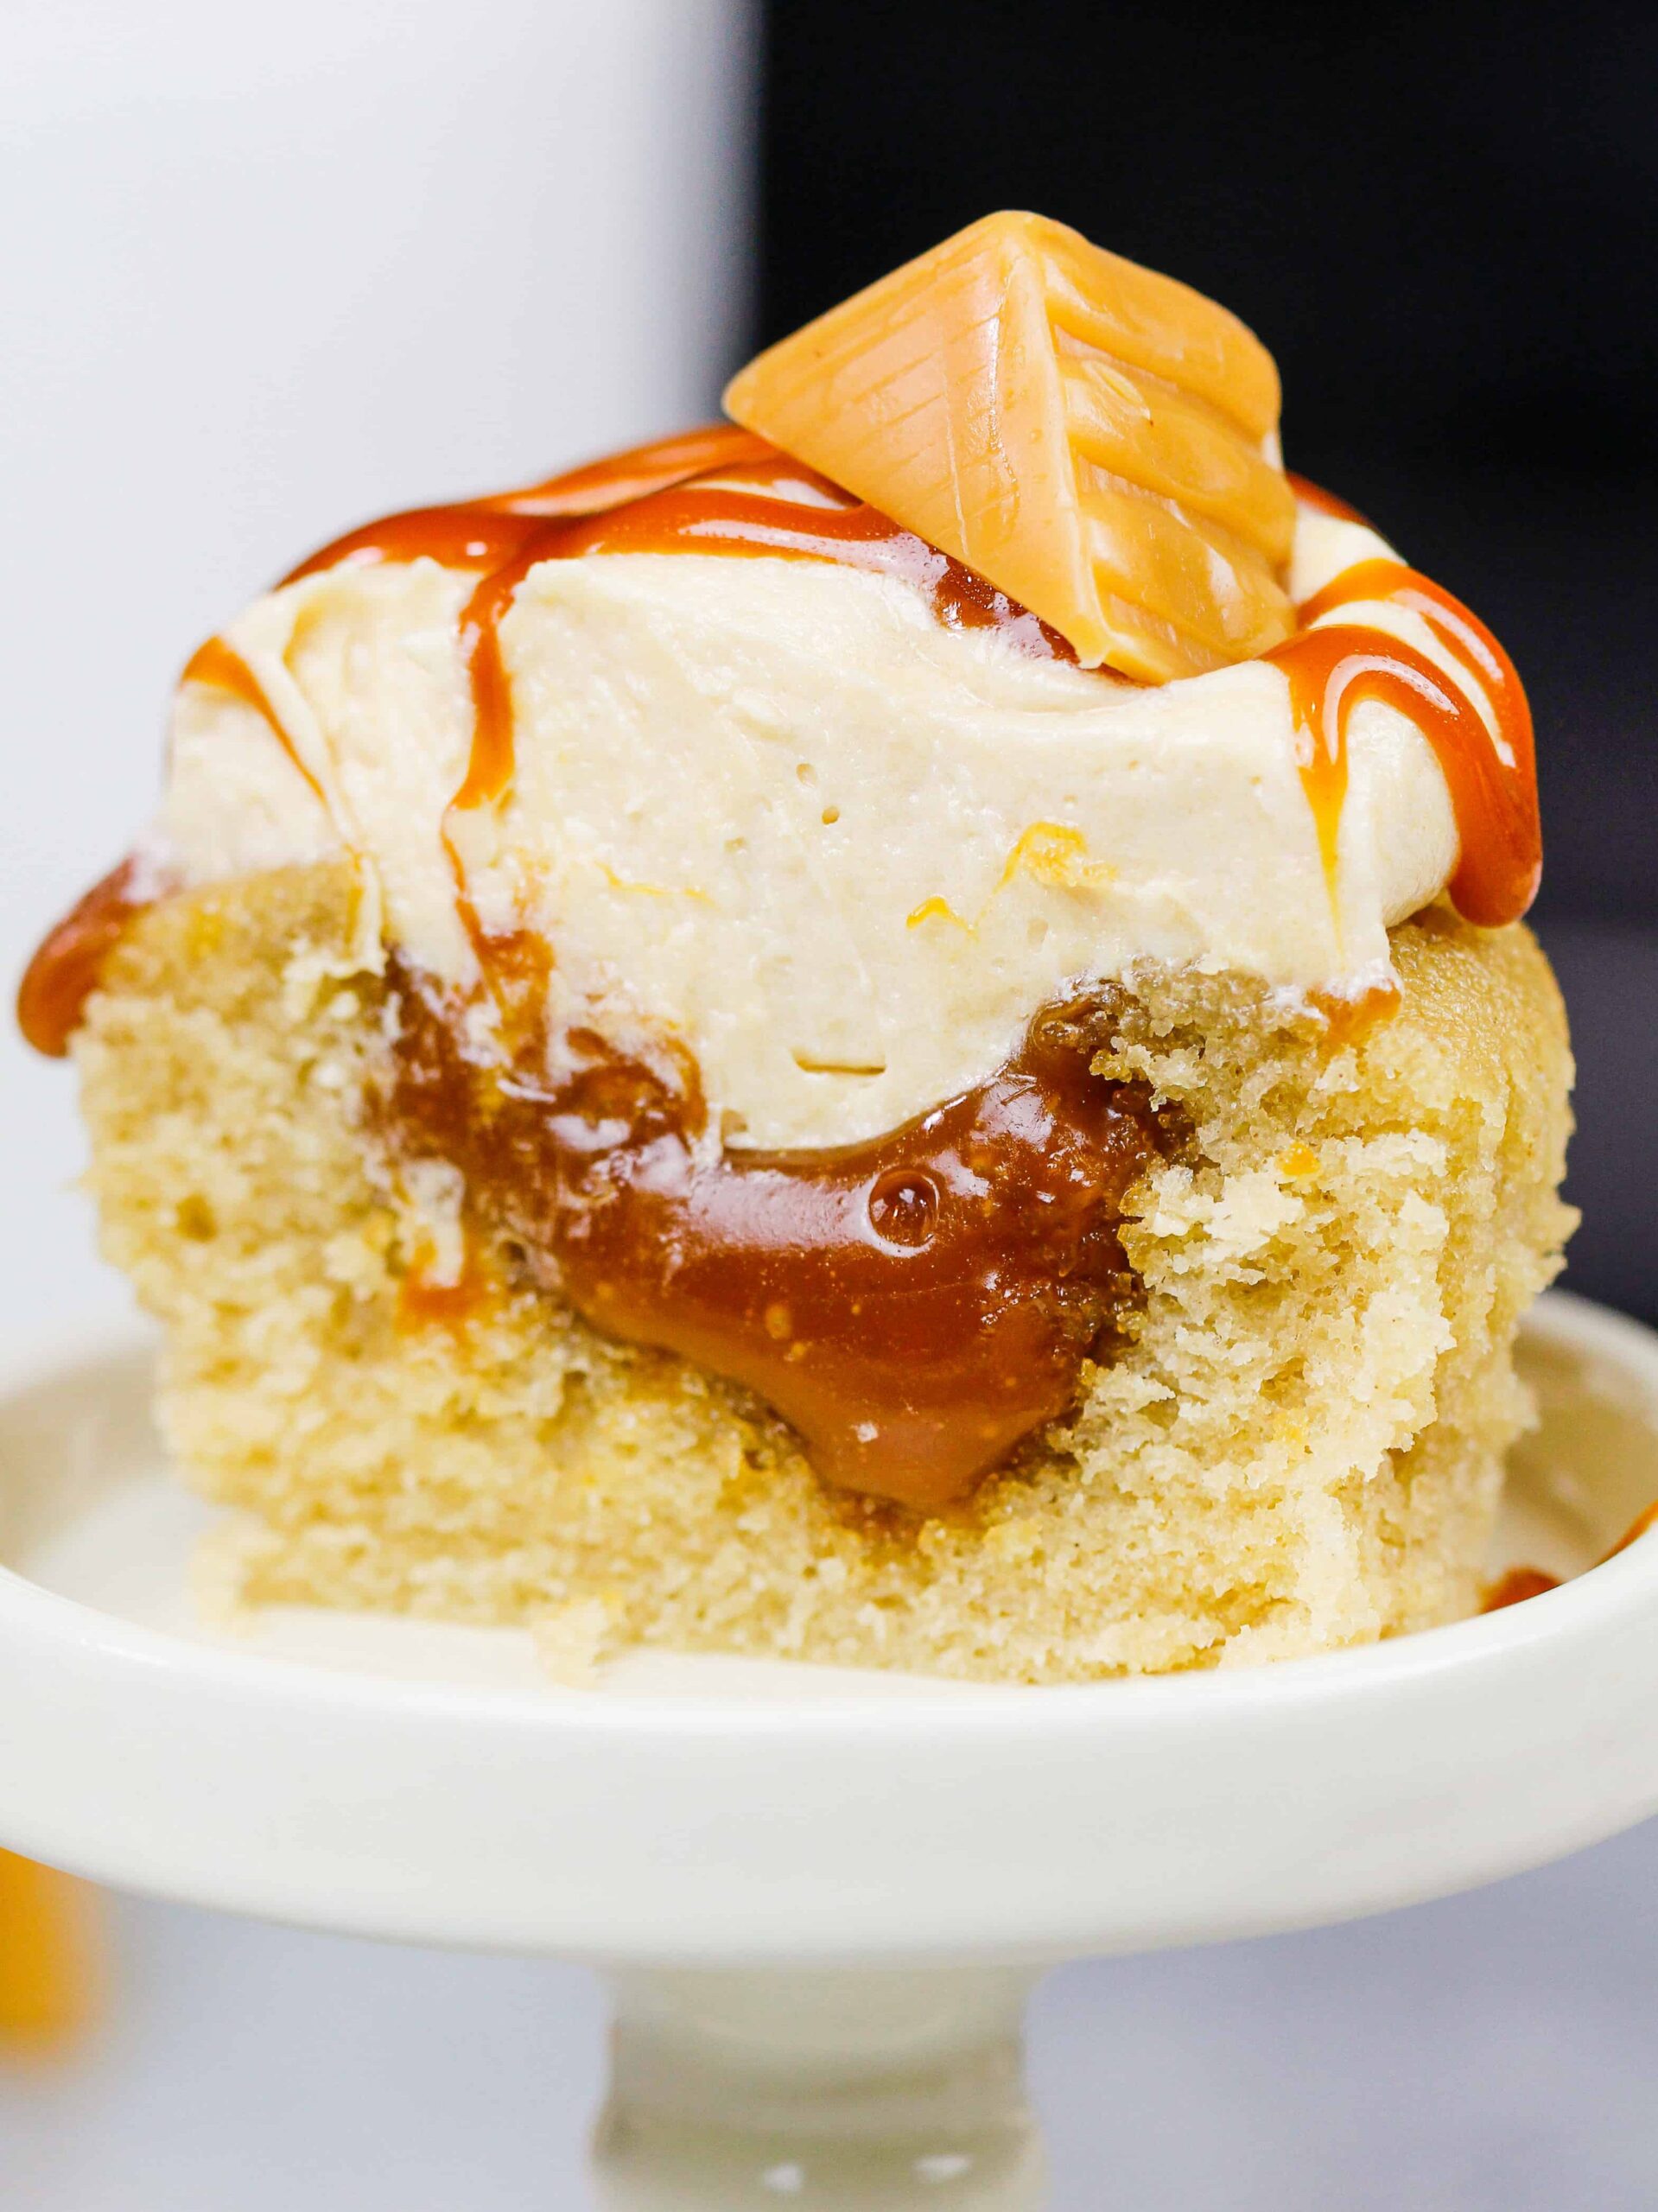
{"x": 267, "y": 273}
{"x": 50, "y": 1972}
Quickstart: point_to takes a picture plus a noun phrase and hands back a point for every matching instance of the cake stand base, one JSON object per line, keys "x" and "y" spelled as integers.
{"x": 834, "y": 2088}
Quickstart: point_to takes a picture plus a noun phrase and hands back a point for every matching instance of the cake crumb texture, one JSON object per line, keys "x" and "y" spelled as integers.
{"x": 1300, "y": 1447}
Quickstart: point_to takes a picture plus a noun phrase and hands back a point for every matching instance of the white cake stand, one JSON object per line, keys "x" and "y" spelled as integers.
{"x": 821, "y": 1896}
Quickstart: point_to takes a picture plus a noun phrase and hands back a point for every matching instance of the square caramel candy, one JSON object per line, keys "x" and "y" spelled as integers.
{"x": 1098, "y": 441}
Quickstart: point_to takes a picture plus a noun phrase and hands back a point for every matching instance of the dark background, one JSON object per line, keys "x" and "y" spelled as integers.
{"x": 1444, "y": 222}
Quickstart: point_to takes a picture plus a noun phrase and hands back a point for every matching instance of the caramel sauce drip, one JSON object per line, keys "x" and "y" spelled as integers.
{"x": 1522, "y": 1582}
{"x": 719, "y": 490}
{"x": 1514, "y": 1587}
{"x": 221, "y": 668}
{"x": 714, "y": 490}
{"x": 1492, "y": 779}
{"x": 65, "y": 972}
{"x": 914, "y": 1305}
{"x": 1309, "y": 494}
{"x": 1644, "y": 1521}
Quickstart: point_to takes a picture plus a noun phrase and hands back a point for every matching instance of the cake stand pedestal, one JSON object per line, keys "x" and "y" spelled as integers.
{"x": 841, "y": 2087}
{"x": 820, "y": 1896}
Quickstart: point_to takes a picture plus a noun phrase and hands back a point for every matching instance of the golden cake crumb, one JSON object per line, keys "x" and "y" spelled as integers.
{"x": 1300, "y": 1446}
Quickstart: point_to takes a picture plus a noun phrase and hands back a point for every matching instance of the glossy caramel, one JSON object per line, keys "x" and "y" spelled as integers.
{"x": 1522, "y": 1582}
{"x": 715, "y": 490}
{"x": 1309, "y": 494}
{"x": 1514, "y": 1587}
{"x": 65, "y": 971}
{"x": 914, "y": 1305}
{"x": 1491, "y": 776}
{"x": 1646, "y": 1519}
{"x": 220, "y": 667}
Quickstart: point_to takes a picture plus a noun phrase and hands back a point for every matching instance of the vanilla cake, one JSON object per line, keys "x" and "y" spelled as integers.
{"x": 897, "y": 1034}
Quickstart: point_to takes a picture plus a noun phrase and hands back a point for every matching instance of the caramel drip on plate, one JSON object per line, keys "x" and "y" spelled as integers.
{"x": 1514, "y": 1587}
{"x": 914, "y": 1305}
{"x": 1522, "y": 1582}
{"x": 65, "y": 971}
{"x": 1645, "y": 1520}
{"x": 1491, "y": 775}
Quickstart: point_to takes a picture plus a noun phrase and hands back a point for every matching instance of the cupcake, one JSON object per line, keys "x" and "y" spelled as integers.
{"x": 896, "y": 1032}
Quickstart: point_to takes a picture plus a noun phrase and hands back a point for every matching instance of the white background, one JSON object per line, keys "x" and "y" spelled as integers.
{"x": 265, "y": 271}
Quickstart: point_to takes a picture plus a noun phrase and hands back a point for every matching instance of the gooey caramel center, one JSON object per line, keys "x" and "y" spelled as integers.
{"x": 913, "y": 1306}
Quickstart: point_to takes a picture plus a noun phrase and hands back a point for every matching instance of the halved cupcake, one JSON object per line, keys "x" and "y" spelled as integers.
{"x": 897, "y": 1035}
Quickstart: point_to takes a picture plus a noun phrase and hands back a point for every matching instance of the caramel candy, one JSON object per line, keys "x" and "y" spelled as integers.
{"x": 1097, "y": 440}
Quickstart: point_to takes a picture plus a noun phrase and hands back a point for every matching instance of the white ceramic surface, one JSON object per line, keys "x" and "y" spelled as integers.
{"x": 422, "y": 1783}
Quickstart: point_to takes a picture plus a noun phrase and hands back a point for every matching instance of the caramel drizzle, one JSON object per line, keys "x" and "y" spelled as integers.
{"x": 1491, "y": 776}
{"x": 914, "y": 1305}
{"x": 65, "y": 971}
{"x": 1309, "y": 494}
{"x": 221, "y": 668}
{"x": 719, "y": 490}
{"x": 65, "y": 968}
{"x": 715, "y": 490}
{"x": 723, "y": 490}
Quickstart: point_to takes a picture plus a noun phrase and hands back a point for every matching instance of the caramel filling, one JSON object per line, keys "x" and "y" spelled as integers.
{"x": 914, "y": 1305}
